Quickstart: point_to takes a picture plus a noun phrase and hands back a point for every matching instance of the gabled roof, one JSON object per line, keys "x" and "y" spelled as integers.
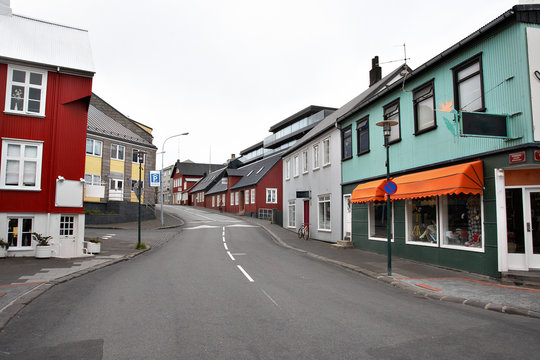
{"x": 207, "y": 182}
{"x": 64, "y": 48}
{"x": 330, "y": 121}
{"x": 194, "y": 169}
{"x": 101, "y": 124}
{"x": 255, "y": 172}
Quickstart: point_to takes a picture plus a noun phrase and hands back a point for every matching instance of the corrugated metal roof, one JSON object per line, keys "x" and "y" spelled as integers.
{"x": 99, "y": 123}
{"x": 194, "y": 169}
{"x": 254, "y": 172}
{"x": 207, "y": 182}
{"x": 41, "y": 42}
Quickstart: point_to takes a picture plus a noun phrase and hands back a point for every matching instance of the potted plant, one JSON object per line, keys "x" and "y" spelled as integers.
{"x": 43, "y": 248}
{"x": 93, "y": 246}
{"x": 4, "y": 246}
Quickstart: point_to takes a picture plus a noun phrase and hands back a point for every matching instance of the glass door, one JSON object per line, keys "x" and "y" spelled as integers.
{"x": 532, "y": 227}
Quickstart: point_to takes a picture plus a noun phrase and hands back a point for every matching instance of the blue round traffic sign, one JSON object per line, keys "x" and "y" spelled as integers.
{"x": 390, "y": 187}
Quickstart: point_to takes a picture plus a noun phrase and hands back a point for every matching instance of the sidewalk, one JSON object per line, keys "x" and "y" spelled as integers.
{"x": 426, "y": 280}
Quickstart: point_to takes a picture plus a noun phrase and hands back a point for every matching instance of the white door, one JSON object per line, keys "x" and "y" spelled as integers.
{"x": 523, "y": 226}
{"x": 347, "y": 217}
{"x": 67, "y": 236}
{"x": 116, "y": 190}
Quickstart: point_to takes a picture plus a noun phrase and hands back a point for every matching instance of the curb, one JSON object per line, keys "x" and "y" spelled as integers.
{"x": 410, "y": 288}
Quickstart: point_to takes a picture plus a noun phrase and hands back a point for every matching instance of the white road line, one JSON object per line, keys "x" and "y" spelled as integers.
{"x": 224, "y": 239}
{"x": 230, "y": 255}
{"x": 225, "y": 246}
{"x": 245, "y": 273}
{"x": 268, "y": 296}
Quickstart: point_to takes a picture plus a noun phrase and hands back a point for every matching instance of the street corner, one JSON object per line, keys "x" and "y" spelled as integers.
{"x": 478, "y": 293}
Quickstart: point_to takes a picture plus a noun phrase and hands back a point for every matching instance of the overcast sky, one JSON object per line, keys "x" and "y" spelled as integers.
{"x": 225, "y": 71}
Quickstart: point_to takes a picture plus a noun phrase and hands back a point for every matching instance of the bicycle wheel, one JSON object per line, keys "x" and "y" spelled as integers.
{"x": 301, "y": 233}
{"x": 306, "y": 233}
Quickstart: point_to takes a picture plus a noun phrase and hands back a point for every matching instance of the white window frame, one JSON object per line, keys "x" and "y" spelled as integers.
{"x": 213, "y": 201}
{"x": 288, "y": 169}
{"x": 237, "y": 198}
{"x": 67, "y": 225}
{"x": 326, "y": 152}
{"x": 21, "y": 159}
{"x": 92, "y": 179}
{"x": 116, "y": 157}
{"x": 232, "y": 199}
{"x": 135, "y": 158}
{"x": 305, "y": 161}
{"x": 94, "y": 143}
{"x": 408, "y": 241}
{"x": 296, "y": 166}
{"x": 370, "y": 235}
{"x": 291, "y": 215}
{"x": 316, "y": 157}
{"x": 321, "y": 201}
{"x": 246, "y": 197}
{"x": 271, "y": 196}
{"x": 27, "y": 86}
{"x": 253, "y": 196}
{"x": 20, "y": 219}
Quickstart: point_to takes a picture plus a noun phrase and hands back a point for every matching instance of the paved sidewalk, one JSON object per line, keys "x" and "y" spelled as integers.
{"x": 423, "y": 279}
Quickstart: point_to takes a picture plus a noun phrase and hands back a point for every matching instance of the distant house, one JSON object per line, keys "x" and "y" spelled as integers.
{"x": 184, "y": 176}
{"x": 198, "y": 192}
{"x": 167, "y": 185}
{"x": 113, "y": 145}
{"x": 46, "y": 72}
{"x": 253, "y": 189}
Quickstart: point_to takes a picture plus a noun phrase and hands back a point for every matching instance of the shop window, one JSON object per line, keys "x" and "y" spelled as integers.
{"x": 468, "y": 85}
{"x": 391, "y": 112}
{"x": 26, "y": 90}
{"x": 378, "y": 221}
{"x": 422, "y": 227}
{"x": 346, "y": 143}
{"x": 424, "y": 108}
{"x": 462, "y": 221}
{"x": 362, "y": 136}
{"x": 292, "y": 214}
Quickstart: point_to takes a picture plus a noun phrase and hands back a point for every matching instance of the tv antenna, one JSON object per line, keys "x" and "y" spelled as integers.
{"x": 405, "y": 58}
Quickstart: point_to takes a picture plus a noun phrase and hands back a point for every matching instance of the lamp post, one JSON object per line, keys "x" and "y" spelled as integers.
{"x": 140, "y": 158}
{"x": 161, "y": 172}
{"x": 387, "y": 125}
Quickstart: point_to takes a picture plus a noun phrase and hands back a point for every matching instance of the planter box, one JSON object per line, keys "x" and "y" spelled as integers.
{"x": 93, "y": 248}
{"x": 43, "y": 252}
{"x": 3, "y": 252}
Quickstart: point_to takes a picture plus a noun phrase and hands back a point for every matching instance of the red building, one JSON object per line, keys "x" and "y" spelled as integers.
{"x": 46, "y": 91}
{"x": 184, "y": 176}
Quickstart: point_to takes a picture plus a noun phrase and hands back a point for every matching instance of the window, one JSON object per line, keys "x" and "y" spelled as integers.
{"x": 287, "y": 169}
{"x": 246, "y": 197}
{"x": 223, "y": 200}
{"x": 236, "y": 197}
{"x": 324, "y": 212}
{"x": 135, "y": 185}
{"x": 346, "y": 143}
{"x": 462, "y": 221}
{"x": 468, "y": 85}
{"x": 424, "y": 108}
{"x": 135, "y": 157}
{"x": 296, "y": 166}
{"x": 116, "y": 184}
{"x": 21, "y": 165}
{"x": 362, "y": 136}
{"x": 93, "y": 147}
{"x": 213, "y": 201}
{"x": 117, "y": 152}
{"x": 391, "y": 112}
{"x": 232, "y": 199}
{"x": 271, "y": 196}
{"x": 316, "y": 157}
{"x": 67, "y": 225}
{"x": 91, "y": 179}
{"x": 378, "y": 221}
{"x": 26, "y": 91}
{"x": 326, "y": 151}
{"x": 253, "y": 196}
{"x": 19, "y": 232}
{"x": 291, "y": 214}
{"x": 304, "y": 162}
{"x": 422, "y": 224}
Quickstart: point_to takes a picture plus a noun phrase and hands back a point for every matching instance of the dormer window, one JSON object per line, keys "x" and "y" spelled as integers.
{"x": 25, "y": 92}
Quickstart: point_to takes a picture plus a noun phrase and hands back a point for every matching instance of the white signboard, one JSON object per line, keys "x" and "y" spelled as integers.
{"x": 154, "y": 178}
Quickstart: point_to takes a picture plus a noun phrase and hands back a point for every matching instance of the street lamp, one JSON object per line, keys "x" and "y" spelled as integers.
{"x": 140, "y": 157}
{"x": 387, "y": 125}
{"x": 161, "y": 172}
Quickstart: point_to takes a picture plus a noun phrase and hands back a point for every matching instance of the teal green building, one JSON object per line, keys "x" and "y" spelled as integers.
{"x": 465, "y": 154}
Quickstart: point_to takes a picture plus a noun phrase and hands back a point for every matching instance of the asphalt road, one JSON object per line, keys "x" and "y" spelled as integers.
{"x": 223, "y": 289}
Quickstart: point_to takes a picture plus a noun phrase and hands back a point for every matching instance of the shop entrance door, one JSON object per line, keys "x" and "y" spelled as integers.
{"x": 523, "y": 226}
{"x": 306, "y": 213}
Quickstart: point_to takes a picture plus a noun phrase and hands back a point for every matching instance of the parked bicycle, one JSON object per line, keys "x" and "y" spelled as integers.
{"x": 303, "y": 231}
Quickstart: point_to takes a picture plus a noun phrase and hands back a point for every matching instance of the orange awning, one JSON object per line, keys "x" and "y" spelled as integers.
{"x": 457, "y": 179}
{"x": 370, "y": 191}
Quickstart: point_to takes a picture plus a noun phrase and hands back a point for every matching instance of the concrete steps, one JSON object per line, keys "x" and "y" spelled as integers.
{"x": 343, "y": 244}
{"x": 522, "y": 278}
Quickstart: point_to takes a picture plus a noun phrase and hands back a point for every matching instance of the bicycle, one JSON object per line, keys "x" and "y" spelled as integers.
{"x": 303, "y": 231}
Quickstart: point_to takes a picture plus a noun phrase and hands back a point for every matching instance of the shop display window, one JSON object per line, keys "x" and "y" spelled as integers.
{"x": 422, "y": 221}
{"x": 462, "y": 221}
{"x": 378, "y": 221}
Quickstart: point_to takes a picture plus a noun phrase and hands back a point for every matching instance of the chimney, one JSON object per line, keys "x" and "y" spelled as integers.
{"x": 375, "y": 74}
{"x": 233, "y": 156}
{"x": 5, "y": 8}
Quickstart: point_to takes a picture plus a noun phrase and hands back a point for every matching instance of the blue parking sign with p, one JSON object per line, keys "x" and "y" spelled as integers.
{"x": 154, "y": 178}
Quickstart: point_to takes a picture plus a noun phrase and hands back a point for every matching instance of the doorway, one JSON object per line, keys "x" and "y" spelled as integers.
{"x": 306, "y": 213}
{"x": 523, "y": 228}
{"x": 347, "y": 217}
